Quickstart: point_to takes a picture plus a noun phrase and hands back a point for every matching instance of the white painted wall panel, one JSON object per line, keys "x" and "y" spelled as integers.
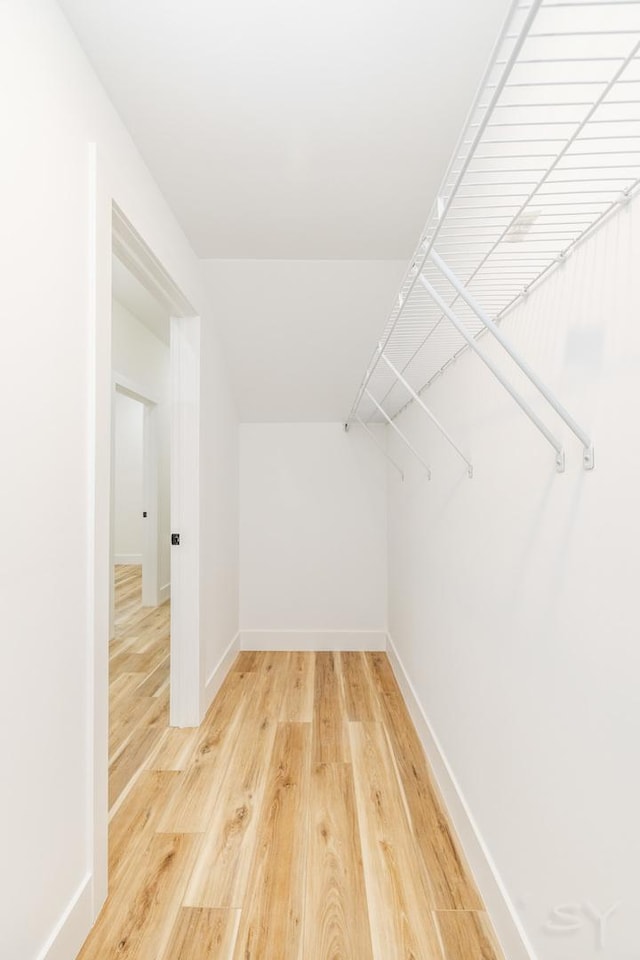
{"x": 127, "y": 486}
{"x": 513, "y": 600}
{"x": 298, "y": 333}
{"x": 312, "y": 529}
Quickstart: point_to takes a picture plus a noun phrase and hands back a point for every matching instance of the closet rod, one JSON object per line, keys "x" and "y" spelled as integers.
{"x": 505, "y": 343}
{"x": 397, "y": 430}
{"x": 428, "y": 412}
{"x": 495, "y": 370}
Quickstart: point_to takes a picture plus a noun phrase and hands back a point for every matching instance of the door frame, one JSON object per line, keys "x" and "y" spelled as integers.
{"x": 111, "y": 231}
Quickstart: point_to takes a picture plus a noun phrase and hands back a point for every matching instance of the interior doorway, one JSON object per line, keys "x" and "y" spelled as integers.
{"x": 139, "y": 647}
{"x": 113, "y": 235}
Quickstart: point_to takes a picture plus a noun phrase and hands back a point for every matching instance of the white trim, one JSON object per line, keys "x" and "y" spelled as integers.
{"x": 152, "y": 526}
{"x": 127, "y": 559}
{"x": 164, "y": 593}
{"x": 312, "y": 640}
{"x": 508, "y": 927}
{"x": 219, "y": 672}
{"x": 71, "y": 929}
{"x": 100, "y": 569}
{"x": 109, "y": 231}
{"x": 130, "y": 388}
{"x": 132, "y": 250}
{"x": 187, "y": 653}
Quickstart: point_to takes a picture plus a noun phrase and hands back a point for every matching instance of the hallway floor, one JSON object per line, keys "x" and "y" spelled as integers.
{"x": 138, "y": 680}
{"x": 299, "y": 822}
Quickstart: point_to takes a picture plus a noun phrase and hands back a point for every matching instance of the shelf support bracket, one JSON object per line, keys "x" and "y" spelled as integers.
{"x": 493, "y": 328}
{"x": 380, "y": 447}
{"x": 397, "y": 430}
{"x": 495, "y": 370}
{"x": 418, "y": 399}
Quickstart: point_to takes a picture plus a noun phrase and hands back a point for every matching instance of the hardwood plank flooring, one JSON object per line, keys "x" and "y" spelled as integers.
{"x": 138, "y": 681}
{"x": 211, "y": 932}
{"x": 402, "y": 925}
{"x": 330, "y": 742}
{"x": 466, "y": 934}
{"x": 448, "y": 877}
{"x": 336, "y": 912}
{"x": 299, "y": 822}
{"x": 273, "y": 906}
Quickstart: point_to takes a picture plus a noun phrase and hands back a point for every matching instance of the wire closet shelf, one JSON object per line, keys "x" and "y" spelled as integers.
{"x": 550, "y": 149}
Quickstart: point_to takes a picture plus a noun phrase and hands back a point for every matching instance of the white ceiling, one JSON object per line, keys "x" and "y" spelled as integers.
{"x": 138, "y": 301}
{"x": 299, "y": 333}
{"x": 286, "y": 129}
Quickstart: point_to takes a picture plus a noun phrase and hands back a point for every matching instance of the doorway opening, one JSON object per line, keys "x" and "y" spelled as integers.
{"x": 117, "y": 244}
{"x": 139, "y": 647}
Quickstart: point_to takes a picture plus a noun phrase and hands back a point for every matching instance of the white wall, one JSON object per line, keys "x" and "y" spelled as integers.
{"x": 128, "y": 429}
{"x": 141, "y": 360}
{"x": 298, "y": 333}
{"x": 513, "y": 601}
{"x": 219, "y": 506}
{"x": 312, "y": 536}
{"x": 53, "y": 110}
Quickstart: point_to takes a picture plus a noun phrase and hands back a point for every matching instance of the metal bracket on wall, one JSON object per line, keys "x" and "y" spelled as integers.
{"x": 399, "y": 432}
{"x": 588, "y": 455}
{"x": 548, "y": 154}
{"x": 495, "y": 370}
{"x": 418, "y": 399}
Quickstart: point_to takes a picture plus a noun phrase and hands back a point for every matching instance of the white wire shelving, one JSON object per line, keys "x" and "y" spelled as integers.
{"x": 550, "y": 149}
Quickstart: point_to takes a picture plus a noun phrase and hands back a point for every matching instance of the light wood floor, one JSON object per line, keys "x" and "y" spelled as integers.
{"x": 138, "y": 681}
{"x": 299, "y": 822}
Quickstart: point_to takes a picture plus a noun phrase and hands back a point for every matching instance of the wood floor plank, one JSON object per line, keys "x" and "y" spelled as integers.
{"x": 360, "y": 698}
{"x": 273, "y": 668}
{"x": 235, "y": 690}
{"x": 131, "y": 827}
{"x": 201, "y": 934}
{"x": 450, "y": 882}
{"x": 136, "y": 661}
{"x": 246, "y": 661}
{"x": 140, "y": 744}
{"x": 221, "y": 874}
{"x": 330, "y": 740}
{"x": 138, "y": 697}
{"x": 272, "y": 911}
{"x": 192, "y": 807}
{"x": 121, "y": 690}
{"x": 138, "y": 919}
{"x": 175, "y": 749}
{"x": 126, "y": 720}
{"x": 381, "y": 672}
{"x": 336, "y": 922}
{"x": 467, "y": 935}
{"x": 402, "y": 927}
{"x": 297, "y": 703}
{"x": 155, "y": 680}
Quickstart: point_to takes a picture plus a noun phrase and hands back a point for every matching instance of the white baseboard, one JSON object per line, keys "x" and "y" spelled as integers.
{"x": 219, "y": 672}
{"x": 505, "y": 919}
{"x": 73, "y": 926}
{"x": 313, "y": 640}
{"x": 165, "y": 593}
{"x": 129, "y": 559}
